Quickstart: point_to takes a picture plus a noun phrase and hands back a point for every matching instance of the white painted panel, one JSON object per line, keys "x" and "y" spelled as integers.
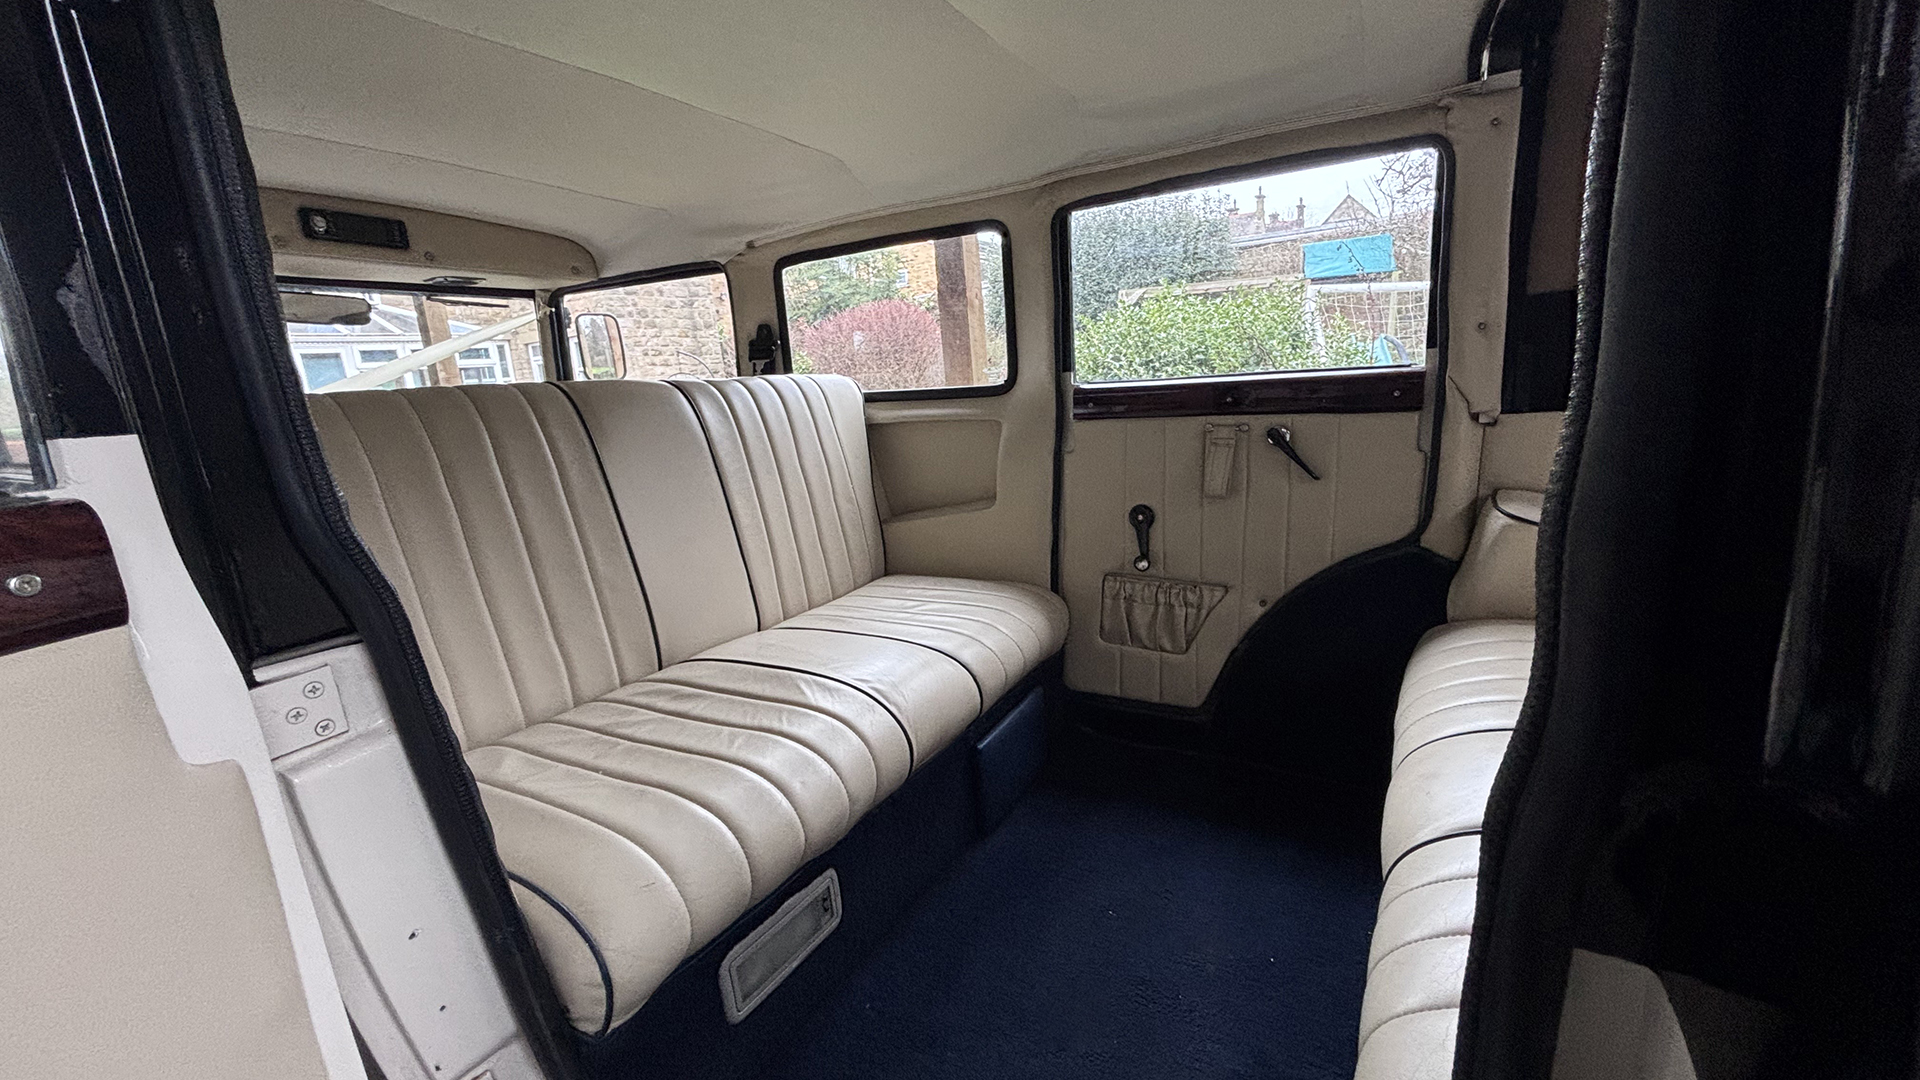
{"x": 422, "y": 987}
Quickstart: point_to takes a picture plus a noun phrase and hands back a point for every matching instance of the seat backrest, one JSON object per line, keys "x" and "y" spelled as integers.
{"x": 792, "y": 453}
{"x": 551, "y": 542}
{"x": 487, "y": 509}
{"x": 1495, "y": 579}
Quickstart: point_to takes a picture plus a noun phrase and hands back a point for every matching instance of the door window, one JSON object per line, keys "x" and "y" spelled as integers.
{"x": 922, "y": 316}
{"x": 1320, "y": 267}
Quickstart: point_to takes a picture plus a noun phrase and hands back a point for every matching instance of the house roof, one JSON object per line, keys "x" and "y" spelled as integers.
{"x": 657, "y": 132}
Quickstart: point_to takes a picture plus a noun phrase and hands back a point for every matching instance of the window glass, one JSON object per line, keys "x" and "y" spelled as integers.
{"x": 923, "y": 315}
{"x": 411, "y": 339}
{"x": 1323, "y": 267}
{"x": 322, "y": 369}
{"x": 18, "y": 442}
{"x": 682, "y": 326}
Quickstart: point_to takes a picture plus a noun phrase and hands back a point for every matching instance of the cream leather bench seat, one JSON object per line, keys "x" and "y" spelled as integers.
{"x": 658, "y": 616}
{"x": 1459, "y": 702}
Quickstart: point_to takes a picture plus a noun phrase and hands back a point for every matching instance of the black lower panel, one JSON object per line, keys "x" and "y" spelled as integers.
{"x": 1098, "y": 934}
{"x": 1311, "y": 688}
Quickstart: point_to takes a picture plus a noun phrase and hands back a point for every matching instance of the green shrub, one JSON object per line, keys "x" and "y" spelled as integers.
{"x": 1172, "y": 333}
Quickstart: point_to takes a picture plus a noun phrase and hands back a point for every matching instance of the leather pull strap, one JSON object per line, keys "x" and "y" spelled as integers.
{"x": 1221, "y": 450}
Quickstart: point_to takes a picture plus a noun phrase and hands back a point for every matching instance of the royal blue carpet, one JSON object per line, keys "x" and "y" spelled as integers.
{"x": 1100, "y": 936}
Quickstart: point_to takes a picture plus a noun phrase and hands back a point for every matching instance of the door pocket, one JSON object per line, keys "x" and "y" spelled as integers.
{"x": 1159, "y": 614}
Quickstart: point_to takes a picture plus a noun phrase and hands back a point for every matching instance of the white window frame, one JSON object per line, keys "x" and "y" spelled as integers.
{"x": 341, "y": 354}
{"x": 502, "y": 367}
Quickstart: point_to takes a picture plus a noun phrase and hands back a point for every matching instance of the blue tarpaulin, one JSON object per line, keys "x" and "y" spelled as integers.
{"x": 1345, "y": 258}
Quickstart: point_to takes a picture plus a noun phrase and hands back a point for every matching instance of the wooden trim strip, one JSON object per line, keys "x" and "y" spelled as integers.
{"x": 1361, "y": 391}
{"x": 64, "y": 546}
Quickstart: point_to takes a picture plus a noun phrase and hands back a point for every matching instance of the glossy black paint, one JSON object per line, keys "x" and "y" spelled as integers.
{"x": 66, "y": 374}
{"x": 139, "y": 319}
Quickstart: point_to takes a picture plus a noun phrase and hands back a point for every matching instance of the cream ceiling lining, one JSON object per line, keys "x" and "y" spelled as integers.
{"x": 656, "y": 132}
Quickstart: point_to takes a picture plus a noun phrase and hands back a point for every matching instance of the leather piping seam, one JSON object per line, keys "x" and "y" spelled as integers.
{"x": 626, "y": 537}
{"x": 737, "y": 729}
{"x": 1426, "y": 885}
{"x": 599, "y": 959}
{"x": 1403, "y": 1016}
{"x": 1375, "y": 966}
{"x": 913, "y": 754}
{"x": 1402, "y": 857}
{"x": 748, "y": 695}
{"x": 1506, "y": 513}
{"x": 979, "y": 692}
{"x": 1450, "y": 735}
{"x": 733, "y": 519}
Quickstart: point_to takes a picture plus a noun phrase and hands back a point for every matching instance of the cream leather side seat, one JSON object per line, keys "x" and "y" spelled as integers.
{"x": 658, "y": 616}
{"x": 1460, "y": 699}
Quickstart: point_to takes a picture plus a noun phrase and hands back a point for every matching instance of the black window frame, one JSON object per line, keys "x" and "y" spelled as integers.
{"x": 940, "y": 232}
{"x": 562, "y": 365}
{"x": 1319, "y": 390}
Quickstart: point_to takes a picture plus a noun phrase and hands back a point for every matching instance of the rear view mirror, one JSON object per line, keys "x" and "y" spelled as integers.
{"x": 598, "y": 346}
{"x": 324, "y": 309}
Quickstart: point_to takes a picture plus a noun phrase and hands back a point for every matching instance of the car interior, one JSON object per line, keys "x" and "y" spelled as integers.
{"x": 615, "y": 539}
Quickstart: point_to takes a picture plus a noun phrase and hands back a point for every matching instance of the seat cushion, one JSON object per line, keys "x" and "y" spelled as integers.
{"x": 637, "y": 827}
{"x": 657, "y": 617}
{"x": 1459, "y": 702}
{"x": 1440, "y": 791}
{"x": 929, "y": 694}
{"x": 1463, "y": 677}
{"x": 1417, "y": 963}
{"x": 999, "y": 631}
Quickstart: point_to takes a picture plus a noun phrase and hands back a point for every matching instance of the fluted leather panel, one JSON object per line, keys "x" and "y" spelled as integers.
{"x": 791, "y": 451}
{"x": 1417, "y": 962}
{"x": 485, "y": 507}
{"x": 678, "y": 525}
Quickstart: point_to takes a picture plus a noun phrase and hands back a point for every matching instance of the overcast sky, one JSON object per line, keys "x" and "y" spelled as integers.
{"x": 1322, "y": 187}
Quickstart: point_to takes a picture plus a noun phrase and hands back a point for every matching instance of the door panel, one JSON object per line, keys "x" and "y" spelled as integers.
{"x": 144, "y": 924}
{"x": 144, "y": 932}
{"x": 1273, "y": 528}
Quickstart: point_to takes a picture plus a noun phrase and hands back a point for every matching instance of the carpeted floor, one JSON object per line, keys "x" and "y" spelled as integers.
{"x": 1098, "y": 936}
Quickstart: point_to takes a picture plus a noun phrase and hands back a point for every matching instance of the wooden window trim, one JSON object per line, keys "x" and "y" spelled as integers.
{"x": 1400, "y": 389}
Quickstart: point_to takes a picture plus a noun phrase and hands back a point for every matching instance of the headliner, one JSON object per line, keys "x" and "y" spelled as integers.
{"x": 658, "y": 133}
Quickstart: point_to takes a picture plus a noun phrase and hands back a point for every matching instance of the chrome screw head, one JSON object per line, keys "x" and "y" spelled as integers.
{"x": 24, "y": 585}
